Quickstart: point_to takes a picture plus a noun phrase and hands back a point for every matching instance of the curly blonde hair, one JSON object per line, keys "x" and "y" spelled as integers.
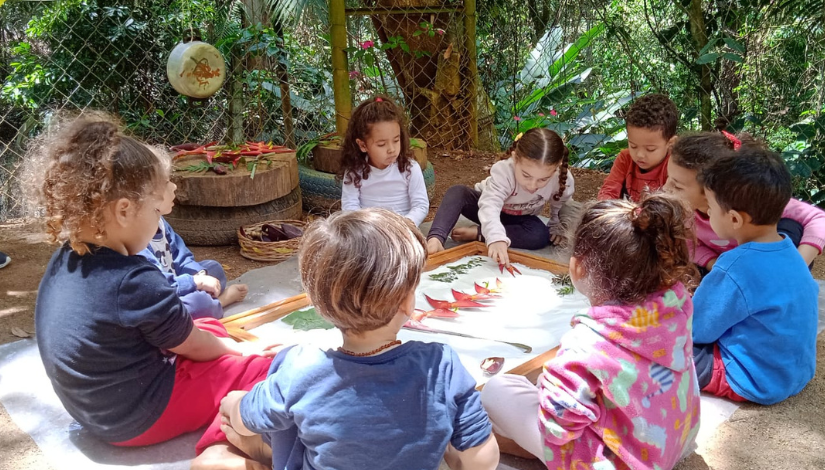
{"x": 90, "y": 163}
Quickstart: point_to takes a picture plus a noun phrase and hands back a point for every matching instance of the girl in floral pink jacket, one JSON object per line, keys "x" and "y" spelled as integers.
{"x": 621, "y": 393}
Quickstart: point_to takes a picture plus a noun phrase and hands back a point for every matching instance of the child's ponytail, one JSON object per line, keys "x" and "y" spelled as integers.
{"x": 565, "y": 162}
{"x": 630, "y": 251}
{"x": 663, "y": 221}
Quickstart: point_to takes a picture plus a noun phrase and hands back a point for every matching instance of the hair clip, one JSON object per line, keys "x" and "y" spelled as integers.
{"x": 519, "y": 136}
{"x": 736, "y": 142}
{"x": 378, "y": 100}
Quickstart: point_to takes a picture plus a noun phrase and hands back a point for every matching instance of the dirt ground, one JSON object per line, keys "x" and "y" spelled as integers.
{"x": 788, "y": 436}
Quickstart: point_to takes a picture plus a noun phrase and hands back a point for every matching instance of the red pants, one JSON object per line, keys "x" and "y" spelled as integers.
{"x": 718, "y": 384}
{"x": 199, "y": 388}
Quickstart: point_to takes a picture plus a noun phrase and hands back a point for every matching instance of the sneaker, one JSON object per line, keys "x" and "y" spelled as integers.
{"x": 4, "y": 260}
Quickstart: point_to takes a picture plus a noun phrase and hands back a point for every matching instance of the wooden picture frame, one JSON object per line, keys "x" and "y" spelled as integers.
{"x": 238, "y": 325}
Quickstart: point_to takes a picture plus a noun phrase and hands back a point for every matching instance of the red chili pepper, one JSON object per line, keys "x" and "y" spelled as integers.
{"x": 438, "y": 304}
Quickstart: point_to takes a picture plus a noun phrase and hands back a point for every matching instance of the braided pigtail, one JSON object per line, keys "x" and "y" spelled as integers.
{"x": 565, "y": 162}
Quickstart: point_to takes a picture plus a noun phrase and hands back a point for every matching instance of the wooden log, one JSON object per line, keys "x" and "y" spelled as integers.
{"x": 327, "y": 158}
{"x": 236, "y": 188}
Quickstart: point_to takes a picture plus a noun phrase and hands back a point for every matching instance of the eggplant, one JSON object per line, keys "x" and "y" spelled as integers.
{"x": 291, "y": 231}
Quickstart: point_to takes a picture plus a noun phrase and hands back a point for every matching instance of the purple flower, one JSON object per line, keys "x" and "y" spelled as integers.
{"x": 354, "y": 74}
{"x": 440, "y": 31}
{"x": 367, "y": 44}
{"x": 553, "y": 113}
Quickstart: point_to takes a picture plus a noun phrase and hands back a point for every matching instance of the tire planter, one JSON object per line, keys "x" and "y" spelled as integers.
{"x": 327, "y": 158}
{"x": 272, "y": 181}
{"x": 211, "y": 226}
{"x": 321, "y": 192}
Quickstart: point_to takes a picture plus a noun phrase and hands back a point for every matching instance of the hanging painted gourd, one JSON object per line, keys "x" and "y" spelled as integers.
{"x": 196, "y": 69}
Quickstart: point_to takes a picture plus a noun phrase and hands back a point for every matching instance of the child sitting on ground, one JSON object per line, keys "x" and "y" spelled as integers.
{"x": 756, "y": 311}
{"x": 802, "y": 223}
{"x": 201, "y": 286}
{"x": 642, "y": 167}
{"x": 621, "y": 391}
{"x": 123, "y": 355}
{"x": 375, "y": 402}
{"x": 377, "y": 167}
{"x": 507, "y": 203}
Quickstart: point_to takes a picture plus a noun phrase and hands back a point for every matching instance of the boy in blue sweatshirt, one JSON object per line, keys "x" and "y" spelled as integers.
{"x": 755, "y": 314}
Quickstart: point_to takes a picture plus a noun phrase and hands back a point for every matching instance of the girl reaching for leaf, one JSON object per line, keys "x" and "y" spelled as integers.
{"x": 507, "y": 203}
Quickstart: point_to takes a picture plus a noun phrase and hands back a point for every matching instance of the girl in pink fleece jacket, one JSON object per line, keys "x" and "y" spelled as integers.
{"x": 802, "y": 223}
{"x": 621, "y": 392}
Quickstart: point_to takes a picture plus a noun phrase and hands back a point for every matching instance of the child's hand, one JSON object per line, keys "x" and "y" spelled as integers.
{"x": 498, "y": 251}
{"x": 208, "y": 284}
{"x": 230, "y": 405}
{"x": 710, "y": 264}
{"x": 557, "y": 235}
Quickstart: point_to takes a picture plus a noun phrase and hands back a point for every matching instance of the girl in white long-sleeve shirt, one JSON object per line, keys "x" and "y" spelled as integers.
{"x": 506, "y": 204}
{"x": 377, "y": 168}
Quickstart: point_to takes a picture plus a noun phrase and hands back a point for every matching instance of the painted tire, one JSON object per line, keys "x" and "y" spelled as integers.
{"x": 322, "y": 191}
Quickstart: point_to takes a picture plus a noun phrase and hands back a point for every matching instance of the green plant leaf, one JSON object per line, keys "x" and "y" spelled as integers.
{"x": 733, "y": 57}
{"x": 306, "y": 320}
{"x": 735, "y": 45}
{"x": 707, "y": 58}
{"x": 708, "y": 46}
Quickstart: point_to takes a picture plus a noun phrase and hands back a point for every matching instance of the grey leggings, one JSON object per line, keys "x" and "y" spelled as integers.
{"x": 524, "y": 231}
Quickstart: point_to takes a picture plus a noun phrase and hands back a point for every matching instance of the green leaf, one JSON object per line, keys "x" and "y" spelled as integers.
{"x": 708, "y": 46}
{"x": 574, "y": 49}
{"x": 735, "y": 45}
{"x": 733, "y": 57}
{"x": 306, "y": 320}
{"x": 707, "y": 58}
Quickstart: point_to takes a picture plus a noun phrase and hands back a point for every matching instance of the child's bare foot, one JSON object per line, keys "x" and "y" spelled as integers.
{"x": 253, "y": 446}
{"x": 224, "y": 456}
{"x": 434, "y": 246}
{"x": 232, "y": 294}
{"x": 465, "y": 234}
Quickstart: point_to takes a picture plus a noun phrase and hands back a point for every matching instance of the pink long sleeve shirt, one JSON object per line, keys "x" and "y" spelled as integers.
{"x": 709, "y": 246}
{"x": 622, "y": 392}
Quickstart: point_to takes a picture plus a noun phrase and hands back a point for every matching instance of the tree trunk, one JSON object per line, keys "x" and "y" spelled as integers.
{"x": 699, "y": 37}
{"x": 436, "y": 86}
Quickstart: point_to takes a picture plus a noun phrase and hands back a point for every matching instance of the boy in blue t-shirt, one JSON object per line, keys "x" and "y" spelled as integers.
{"x": 374, "y": 403}
{"x": 755, "y": 314}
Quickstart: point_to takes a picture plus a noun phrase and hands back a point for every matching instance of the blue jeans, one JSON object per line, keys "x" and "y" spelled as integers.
{"x": 524, "y": 231}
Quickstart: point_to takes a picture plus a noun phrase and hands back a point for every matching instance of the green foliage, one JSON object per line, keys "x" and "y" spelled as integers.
{"x": 307, "y": 319}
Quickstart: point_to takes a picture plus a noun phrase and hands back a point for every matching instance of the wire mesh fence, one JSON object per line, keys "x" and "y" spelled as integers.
{"x": 471, "y": 74}
{"x": 99, "y": 54}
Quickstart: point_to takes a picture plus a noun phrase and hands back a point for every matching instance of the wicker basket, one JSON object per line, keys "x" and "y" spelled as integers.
{"x": 268, "y": 251}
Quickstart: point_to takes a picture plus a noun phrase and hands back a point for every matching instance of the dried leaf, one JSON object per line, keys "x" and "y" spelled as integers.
{"x": 20, "y": 333}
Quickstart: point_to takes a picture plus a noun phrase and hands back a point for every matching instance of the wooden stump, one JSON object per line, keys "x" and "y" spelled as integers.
{"x": 327, "y": 158}
{"x": 272, "y": 180}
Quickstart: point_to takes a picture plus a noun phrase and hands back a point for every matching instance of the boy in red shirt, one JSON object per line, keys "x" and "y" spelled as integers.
{"x": 642, "y": 167}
